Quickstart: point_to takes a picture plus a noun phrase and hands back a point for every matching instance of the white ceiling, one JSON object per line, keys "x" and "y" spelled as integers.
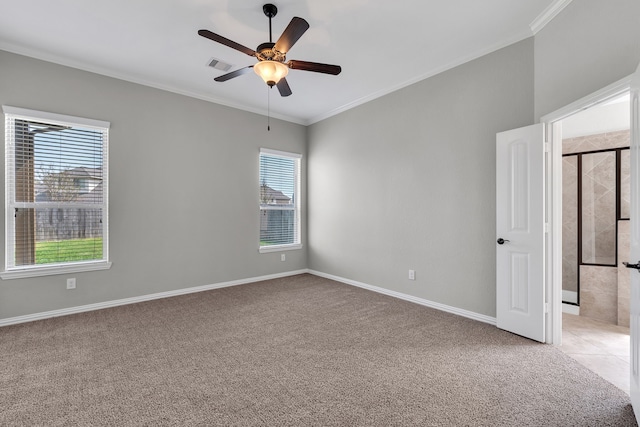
{"x": 381, "y": 45}
{"x": 609, "y": 116}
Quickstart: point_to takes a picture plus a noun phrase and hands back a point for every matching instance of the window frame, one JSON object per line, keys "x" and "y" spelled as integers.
{"x": 297, "y": 244}
{"x": 15, "y": 272}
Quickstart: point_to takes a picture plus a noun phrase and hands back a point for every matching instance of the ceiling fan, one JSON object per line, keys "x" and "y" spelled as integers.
{"x": 271, "y": 65}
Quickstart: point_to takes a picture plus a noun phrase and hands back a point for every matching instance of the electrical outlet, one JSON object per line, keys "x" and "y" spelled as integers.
{"x": 412, "y": 275}
{"x": 71, "y": 283}
{"x": 283, "y": 257}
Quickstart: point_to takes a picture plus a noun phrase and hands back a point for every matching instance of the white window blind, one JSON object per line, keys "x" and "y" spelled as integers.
{"x": 56, "y": 189}
{"x": 279, "y": 200}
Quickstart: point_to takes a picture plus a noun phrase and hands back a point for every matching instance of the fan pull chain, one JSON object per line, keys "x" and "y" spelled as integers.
{"x": 268, "y": 109}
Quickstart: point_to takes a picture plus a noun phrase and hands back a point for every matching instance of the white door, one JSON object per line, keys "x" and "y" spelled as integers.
{"x": 635, "y": 243}
{"x": 520, "y": 236}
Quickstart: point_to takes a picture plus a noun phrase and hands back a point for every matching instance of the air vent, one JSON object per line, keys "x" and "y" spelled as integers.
{"x": 219, "y": 65}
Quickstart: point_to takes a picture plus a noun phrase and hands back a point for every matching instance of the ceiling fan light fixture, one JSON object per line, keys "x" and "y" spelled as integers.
{"x": 272, "y": 65}
{"x": 271, "y": 71}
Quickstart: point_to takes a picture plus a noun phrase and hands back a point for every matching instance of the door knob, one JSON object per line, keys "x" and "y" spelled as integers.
{"x": 501, "y": 241}
{"x": 636, "y": 266}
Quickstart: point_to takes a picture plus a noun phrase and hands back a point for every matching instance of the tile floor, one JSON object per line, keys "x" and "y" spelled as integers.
{"x": 601, "y": 347}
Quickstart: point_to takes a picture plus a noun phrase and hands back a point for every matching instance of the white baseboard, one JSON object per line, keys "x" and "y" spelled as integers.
{"x": 570, "y": 296}
{"x": 442, "y": 307}
{"x": 133, "y": 300}
{"x": 571, "y": 309}
{"x": 142, "y": 298}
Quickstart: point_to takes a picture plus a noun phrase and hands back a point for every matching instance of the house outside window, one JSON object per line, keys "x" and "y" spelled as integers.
{"x": 56, "y": 186}
{"x": 279, "y": 200}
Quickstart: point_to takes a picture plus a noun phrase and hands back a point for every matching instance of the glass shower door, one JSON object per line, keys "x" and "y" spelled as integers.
{"x": 599, "y": 203}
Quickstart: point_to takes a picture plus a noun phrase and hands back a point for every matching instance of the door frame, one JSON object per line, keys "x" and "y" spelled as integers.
{"x": 553, "y": 184}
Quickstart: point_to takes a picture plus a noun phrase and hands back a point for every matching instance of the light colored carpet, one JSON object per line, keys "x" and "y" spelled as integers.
{"x": 296, "y": 351}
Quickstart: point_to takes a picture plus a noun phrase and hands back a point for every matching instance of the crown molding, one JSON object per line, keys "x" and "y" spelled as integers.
{"x": 538, "y": 24}
{"x": 548, "y": 14}
{"x": 43, "y": 56}
{"x": 453, "y": 64}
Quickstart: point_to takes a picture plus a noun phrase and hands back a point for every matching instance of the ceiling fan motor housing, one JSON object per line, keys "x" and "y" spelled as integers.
{"x": 266, "y": 52}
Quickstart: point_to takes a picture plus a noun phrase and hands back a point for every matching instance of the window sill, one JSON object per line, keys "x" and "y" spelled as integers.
{"x": 279, "y": 248}
{"x": 52, "y": 270}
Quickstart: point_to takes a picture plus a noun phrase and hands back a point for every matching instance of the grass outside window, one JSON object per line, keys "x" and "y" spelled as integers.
{"x": 69, "y": 250}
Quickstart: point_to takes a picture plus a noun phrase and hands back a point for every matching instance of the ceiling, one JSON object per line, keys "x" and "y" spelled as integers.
{"x": 609, "y": 116}
{"x": 380, "y": 45}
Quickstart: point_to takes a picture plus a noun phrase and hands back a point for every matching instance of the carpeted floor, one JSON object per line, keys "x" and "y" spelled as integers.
{"x": 297, "y": 351}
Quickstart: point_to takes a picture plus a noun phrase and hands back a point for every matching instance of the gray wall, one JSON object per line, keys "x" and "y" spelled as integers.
{"x": 589, "y": 45}
{"x": 183, "y": 187}
{"x": 404, "y": 182}
{"x": 408, "y": 182}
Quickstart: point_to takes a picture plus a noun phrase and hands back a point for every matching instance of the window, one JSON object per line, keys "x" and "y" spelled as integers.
{"x": 279, "y": 200}
{"x": 56, "y": 190}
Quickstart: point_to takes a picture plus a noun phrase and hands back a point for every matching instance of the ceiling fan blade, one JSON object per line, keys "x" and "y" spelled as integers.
{"x": 225, "y": 41}
{"x": 315, "y": 67}
{"x": 283, "y": 87}
{"x": 291, "y": 34}
{"x": 236, "y": 73}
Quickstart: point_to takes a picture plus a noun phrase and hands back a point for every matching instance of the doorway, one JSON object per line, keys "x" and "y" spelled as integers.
{"x": 588, "y": 188}
{"x": 595, "y": 211}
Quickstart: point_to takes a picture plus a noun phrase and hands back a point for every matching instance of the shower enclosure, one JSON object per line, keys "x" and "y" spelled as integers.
{"x": 596, "y": 188}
